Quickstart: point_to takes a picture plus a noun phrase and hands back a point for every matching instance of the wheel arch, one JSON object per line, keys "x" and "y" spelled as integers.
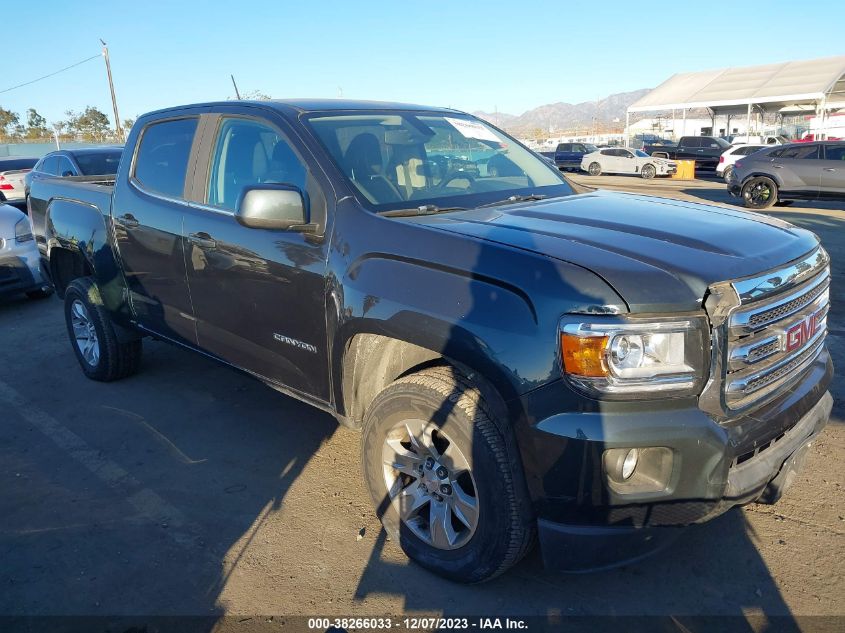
{"x": 371, "y": 361}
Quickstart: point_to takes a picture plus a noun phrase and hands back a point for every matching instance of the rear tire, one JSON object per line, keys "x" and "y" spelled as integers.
{"x": 759, "y": 193}
{"x": 101, "y": 355}
{"x": 726, "y": 175}
{"x": 594, "y": 169}
{"x": 474, "y": 486}
{"x": 648, "y": 172}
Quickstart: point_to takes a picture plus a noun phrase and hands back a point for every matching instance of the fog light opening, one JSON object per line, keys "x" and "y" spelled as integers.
{"x": 629, "y": 465}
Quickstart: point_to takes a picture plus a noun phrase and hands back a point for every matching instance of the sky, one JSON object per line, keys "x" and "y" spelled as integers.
{"x": 500, "y": 55}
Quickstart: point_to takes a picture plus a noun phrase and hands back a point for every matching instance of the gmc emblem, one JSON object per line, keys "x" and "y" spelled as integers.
{"x": 798, "y": 335}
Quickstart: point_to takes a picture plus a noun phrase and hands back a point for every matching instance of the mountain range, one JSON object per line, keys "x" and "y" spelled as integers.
{"x": 566, "y": 117}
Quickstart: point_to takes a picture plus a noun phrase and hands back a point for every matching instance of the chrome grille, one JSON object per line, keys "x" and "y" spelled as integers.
{"x": 777, "y": 330}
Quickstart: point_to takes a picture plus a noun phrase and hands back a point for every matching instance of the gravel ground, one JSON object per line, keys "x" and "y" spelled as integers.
{"x": 193, "y": 489}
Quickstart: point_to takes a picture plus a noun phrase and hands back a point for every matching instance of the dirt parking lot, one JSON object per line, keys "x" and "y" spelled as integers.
{"x": 193, "y": 489}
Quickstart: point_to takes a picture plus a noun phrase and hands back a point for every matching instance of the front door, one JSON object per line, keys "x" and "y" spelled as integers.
{"x": 258, "y": 294}
{"x": 799, "y": 169}
{"x": 148, "y": 228}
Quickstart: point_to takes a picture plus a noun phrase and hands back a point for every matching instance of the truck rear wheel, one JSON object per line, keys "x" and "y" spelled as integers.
{"x": 445, "y": 476}
{"x": 101, "y": 355}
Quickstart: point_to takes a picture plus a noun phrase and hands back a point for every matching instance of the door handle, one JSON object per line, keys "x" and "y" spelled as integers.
{"x": 129, "y": 221}
{"x": 830, "y": 168}
{"x": 203, "y": 240}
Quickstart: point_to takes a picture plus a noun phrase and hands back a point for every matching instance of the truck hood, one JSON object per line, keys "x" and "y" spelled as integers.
{"x": 658, "y": 254}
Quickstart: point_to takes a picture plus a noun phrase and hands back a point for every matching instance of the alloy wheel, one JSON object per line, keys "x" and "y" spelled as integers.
{"x": 84, "y": 333}
{"x": 429, "y": 480}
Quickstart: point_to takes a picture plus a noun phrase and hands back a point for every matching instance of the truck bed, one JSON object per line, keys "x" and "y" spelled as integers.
{"x": 92, "y": 191}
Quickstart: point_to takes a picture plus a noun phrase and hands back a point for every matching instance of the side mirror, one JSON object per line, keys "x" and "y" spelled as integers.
{"x": 279, "y": 207}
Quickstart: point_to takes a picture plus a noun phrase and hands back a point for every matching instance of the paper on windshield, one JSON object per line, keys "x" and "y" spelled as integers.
{"x": 472, "y": 129}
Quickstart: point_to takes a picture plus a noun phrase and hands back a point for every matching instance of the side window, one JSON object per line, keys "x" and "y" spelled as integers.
{"x": 834, "y": 152}
{"x": 50, "y": 165}
{"x": 248, "y": 153}
{"x": 162, "y": 159}
{"x": 65, "y": 167}
{"x": 608, "y": 152}
{"x": 776, "y": 154}
{"x": 801, "y": 151}
{"x": 690, "y": 141}
{"x": 579, "y": 148}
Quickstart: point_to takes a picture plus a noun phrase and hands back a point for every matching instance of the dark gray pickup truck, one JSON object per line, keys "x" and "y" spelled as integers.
{"x": 597, "y": 369}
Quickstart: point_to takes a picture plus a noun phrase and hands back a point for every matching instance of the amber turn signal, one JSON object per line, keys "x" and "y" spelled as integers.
{"x": 584, "y": 355}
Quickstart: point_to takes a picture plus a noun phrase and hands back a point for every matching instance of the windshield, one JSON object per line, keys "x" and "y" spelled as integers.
{"x": 98, "y": 163}
{"x": 591, "y": 148}
{"x": 399, "y": 160}
{"x": 641, "y": 153}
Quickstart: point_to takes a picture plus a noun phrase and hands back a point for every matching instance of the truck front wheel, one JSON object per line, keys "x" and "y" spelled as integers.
{"x": 445, "y": 476}
{"x": 98, "y": 349}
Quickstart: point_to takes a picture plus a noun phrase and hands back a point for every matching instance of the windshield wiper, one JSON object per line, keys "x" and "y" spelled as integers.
{"x": 510, "y": 200}
{"x": 423, "y": 209}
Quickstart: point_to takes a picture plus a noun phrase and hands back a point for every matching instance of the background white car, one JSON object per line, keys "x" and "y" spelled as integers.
{"x": 730, "y": 156}
{"x": 619, "y": 160}
{"x": 20, "y": 267}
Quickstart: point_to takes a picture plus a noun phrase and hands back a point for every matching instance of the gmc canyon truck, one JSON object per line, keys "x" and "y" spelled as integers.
{"x": 595, "y": 369}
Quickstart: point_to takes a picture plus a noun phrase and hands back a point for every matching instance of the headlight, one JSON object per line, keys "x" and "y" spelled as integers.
{"x": 23, "y": 231}
{"x": 629, "y": 358}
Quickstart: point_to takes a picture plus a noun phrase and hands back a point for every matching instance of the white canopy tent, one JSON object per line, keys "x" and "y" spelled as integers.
{"x": 789, "y": 87}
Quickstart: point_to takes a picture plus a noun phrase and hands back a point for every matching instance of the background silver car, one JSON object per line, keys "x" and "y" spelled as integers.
{"x": 13, "y": 169}
{"x": 20, "y": 268}
{"x": 799, "y": 171}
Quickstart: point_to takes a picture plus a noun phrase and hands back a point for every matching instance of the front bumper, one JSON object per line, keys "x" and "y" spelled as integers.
{"x": 20, "y": 270}
{"x": 583, "y": 518}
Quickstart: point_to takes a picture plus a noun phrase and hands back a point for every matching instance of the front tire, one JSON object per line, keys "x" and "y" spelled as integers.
{"x": 101, "y": 355}
{"x": 759, "y": 193}
{"x": 594, "y": 169}
{"x": 648, "y": 172}
{"x": 445, "y": 475}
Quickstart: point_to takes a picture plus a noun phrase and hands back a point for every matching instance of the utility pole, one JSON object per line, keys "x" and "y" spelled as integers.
{"x": 117, "y": 125}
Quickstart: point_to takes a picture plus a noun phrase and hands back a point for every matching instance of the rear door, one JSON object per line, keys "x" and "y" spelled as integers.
{"x": 832, "y": 183}
{"x": 148, "y": 216}
{"x": 258, "y": 294}
{"x": 689, "y": 147}
{"x": 798, "y": 168}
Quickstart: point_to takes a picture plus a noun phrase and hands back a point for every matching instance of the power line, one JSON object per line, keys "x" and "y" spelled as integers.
{"x": 26, "y": 83}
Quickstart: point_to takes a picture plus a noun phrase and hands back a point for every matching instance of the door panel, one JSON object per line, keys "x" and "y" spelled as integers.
{"x": 148, "y": 230}
{"x": 258, "y": 294}
{"x": 832, "y": 175}
{"x": 799, "y": 170}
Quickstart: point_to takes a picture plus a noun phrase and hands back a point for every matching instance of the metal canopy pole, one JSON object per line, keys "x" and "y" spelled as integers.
{"x": 684, "y": 124}
{"x": 627, "y": 125}
{"x": 748, "y": 125}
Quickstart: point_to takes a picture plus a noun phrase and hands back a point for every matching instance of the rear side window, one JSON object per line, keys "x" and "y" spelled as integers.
{"x": 563, "y": 147}
{"x": 801, "y": 151}
{"x": 608, "y": 152}
{"x": 162, "y": 159}
{"x": 65, "y": 167}
{"x": 99, "y": 164}
{"x": 691, "y": 141}
{"x": 834, "y": 152}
